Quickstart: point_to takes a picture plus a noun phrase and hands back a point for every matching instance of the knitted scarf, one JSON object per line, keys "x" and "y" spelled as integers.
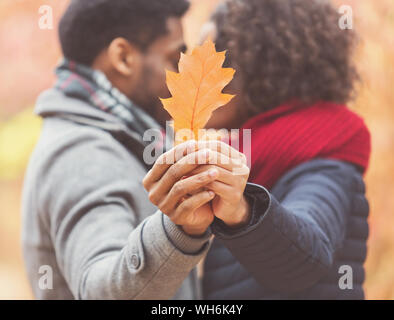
{"x": 287, "y": 136}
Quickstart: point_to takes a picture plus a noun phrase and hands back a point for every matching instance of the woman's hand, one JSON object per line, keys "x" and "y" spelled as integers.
{"x": 229, "y": 204}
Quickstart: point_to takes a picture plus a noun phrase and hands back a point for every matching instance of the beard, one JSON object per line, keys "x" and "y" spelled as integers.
{"x": 148, "y": 99}
{"x": 154, "y": 108}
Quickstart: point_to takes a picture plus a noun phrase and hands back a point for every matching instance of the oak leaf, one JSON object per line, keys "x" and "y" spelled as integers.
{"x": 197, "y": 89}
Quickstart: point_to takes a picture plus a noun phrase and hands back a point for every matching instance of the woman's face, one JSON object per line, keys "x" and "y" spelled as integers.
{"x": 230, "y": 115}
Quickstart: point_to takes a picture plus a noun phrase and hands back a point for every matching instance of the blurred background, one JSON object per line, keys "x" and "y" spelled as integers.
{"x": 28, "y": 55}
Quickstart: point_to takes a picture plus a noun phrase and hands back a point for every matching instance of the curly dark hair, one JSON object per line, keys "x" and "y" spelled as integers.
{"x": 88, "y": 26}
{"x": 287, "y": 50}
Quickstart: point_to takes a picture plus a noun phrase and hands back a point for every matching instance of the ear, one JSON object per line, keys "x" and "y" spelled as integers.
{"x": 123, "y": 56}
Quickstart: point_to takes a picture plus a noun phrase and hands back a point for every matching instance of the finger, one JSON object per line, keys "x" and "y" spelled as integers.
{"x": 185, "y": 210}
{"x": 181, "y": 168}
{"x": 225, "y": 162}
{"x": 223, "y": 148}
{"x": 224, "y": 176}
{"x": 196, "y": 191}
{"x": 188, "y": 186}
{"x": 224, "y": 191}
{"x": 184, "y": 166}
{"x": 166, "y": 160}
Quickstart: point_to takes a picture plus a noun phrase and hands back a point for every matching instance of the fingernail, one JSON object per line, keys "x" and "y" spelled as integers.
{"x": 211, "y": 194}
{"x": 213, "y": 173}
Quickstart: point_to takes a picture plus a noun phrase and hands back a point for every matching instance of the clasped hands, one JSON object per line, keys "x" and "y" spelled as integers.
{"x": 198, "y": 180}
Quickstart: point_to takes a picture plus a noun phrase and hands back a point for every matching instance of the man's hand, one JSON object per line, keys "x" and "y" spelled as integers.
{"x": 229, "y": 204}
{"x": 179, "y": 197}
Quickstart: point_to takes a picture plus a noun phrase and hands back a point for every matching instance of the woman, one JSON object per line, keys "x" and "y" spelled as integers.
{"x": 294, "y": 78}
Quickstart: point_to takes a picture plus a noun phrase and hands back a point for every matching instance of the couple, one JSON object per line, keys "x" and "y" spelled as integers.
{"x": 111, "y": 227}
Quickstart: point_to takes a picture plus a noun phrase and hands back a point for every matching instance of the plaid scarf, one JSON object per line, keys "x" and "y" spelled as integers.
{"x": 92, "y": 86}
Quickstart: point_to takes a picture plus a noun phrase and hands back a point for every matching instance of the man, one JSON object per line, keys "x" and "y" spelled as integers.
{"x": 86, "y": 215}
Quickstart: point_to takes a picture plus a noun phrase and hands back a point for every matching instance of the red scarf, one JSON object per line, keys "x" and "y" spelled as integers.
{"x": 287, "y": 136}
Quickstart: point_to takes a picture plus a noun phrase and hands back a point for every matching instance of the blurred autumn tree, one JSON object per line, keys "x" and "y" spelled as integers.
{"x": 29, "y": 54}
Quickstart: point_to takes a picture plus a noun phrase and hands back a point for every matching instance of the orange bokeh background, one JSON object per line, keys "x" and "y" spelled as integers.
{"x": 28, "y": 55}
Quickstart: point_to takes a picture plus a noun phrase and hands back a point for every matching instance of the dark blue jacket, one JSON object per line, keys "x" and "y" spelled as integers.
{"x": 312, "y": 222}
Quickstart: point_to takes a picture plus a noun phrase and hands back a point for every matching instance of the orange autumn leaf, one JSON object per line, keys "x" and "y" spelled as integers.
{"x": 197, "y": 89}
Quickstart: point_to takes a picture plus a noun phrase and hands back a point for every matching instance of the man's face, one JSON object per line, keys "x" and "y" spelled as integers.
{"x": 162, "y": 55}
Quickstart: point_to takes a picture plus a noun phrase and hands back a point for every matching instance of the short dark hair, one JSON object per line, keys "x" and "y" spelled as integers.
{"x": 88, "y": 26}
{"x": 287, "y": 50}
